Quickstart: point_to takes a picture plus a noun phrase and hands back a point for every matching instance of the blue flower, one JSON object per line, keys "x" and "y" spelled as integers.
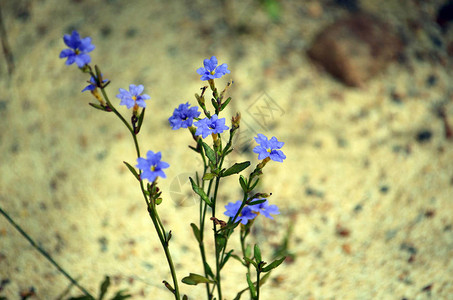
{"x": 211, "y": 70}
{"x": 246, "y": 213}
{"x": 183, "y": 116}
{"x": 152, "y": 166}
{"x": 92, "y": 86}
{"x": 265, "y": 209}
{"x": 269, "y": 148}
{"x": 132, "y": 97}
{"x": 207, "y": 126}
{"x": 78, "y": 49}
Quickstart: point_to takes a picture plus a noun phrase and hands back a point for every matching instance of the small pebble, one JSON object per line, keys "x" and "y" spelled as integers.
{"x": 424, "y": 136}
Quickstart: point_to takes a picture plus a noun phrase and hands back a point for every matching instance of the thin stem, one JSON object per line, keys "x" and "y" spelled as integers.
{"x": 217, "y": 252}
{"x": 160, "y": 230}
{"x": 44, "y": 253}
{"x": 257, "y": 285}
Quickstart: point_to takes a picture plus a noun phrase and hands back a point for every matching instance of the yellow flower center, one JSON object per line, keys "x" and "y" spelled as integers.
{"x": 134, "y": 98}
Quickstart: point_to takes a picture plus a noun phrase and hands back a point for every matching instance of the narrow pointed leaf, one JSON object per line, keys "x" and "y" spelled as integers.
{"x": 273, "y": 264}
{"x": 224, "y": 104}
{"x": 140, "y": 119}
{"x": 257, "y": 253}
{"x": 225, "y": 260}
{"x": 251, "y": 286}
{"x": 194, "y": 279}
{"x": 200, "y": 192}
{"x": 256, "y": 202}
{"x": 254, "y": 184}
{"x": 243, "y": 183}
{"x": 133, "y": 171}
{"x": 248, "y": 260}
{"x": 97, "y": 106}
{"x": 196, "y": 232}
{"x": 209, "y": 176}
{"x": 236, "y": 168}
{"x": 209, "y": 153}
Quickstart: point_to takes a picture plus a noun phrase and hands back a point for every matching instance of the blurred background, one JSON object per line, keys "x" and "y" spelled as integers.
{"x": 360, "y": 91}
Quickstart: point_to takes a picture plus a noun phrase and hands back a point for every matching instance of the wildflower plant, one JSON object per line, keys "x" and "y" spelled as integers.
{"x": 213, "y": 141}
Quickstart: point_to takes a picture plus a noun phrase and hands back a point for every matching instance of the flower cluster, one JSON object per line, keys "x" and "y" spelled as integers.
{"x": 183, "y": 116}
{"x": 211, "y": 70}
{"x": 78, "y": 49}
{"x": 132, "y": 98}
{"x": 249, "y": 212}
{"x": 208, "y": 126}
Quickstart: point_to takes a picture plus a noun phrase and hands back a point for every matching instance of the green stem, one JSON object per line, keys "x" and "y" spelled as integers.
{"x": 203, "y": 208}
{"x": 44, "y": 253}
{"x": 160, "y": 230}
{"x": 257, "y": 285}
{"x": 217, "y": 252}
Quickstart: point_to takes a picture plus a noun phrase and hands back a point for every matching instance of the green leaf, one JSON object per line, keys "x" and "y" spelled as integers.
{"x": 97, "y": 106}
{"x": 133, "y": 171}
{"x": 185, "y": 297}
{"x": 140, "y": 120}
{"x": 209, "y": 270}
{"x": 220, "y": 241}
{"x": 77, "y": 298}
{"x": 257, "y": 202}
{"x": 254, "y": 184}
{"x": 243, "y": 183}
{"x": 251, "y": 286}
{"x": 224, "y": 104}
{"x": 257, "y": 254}
{"x": 264, "y": 278}
{"x": 236, "y": 257}
{"x": 209, "y": 176}
{"x": 200, "y": 192}
{"x": 214, "y": 103}
{"x": 248, "y": 260}
{"x": 227, "y": 257}
{"x": 236, "y": 168}
{"x": 104, "y": 286}
{"x": 248, "y": 251}
{"x": 194, "y": 279}
{"x": 273, "y": 264}
{"x": 196, "y": 232}
{"x": 209, "y": 153}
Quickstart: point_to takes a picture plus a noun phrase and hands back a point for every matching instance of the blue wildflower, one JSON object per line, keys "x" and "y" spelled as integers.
{"x": 269, "y": 148}
{"x": 152, "y": 166}
{"x": 265, "y": 209}
{"x": 132, "y": 98}
{"x": 78, "y": 49}
{"x": 92, "y": 86}
{"x": 183, "y": 116}
{"x": 211, "y": 70}
{"x": 245, "y": 215}
{"x": 207, "y": 126}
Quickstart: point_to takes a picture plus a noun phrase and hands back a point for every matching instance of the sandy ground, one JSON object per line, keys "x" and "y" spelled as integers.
{"x": 370, "y": 204}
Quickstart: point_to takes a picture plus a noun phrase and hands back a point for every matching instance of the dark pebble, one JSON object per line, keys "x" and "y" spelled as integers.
{"x": 431, "y": 80}
{"x": 105, "y": 31}
{"x": 3, "y": 105}
{"x": 312, "y": 192}
{"x": 424, "y": 136}
{"x": 384, "y": 189}
{"x": 350, "y": 5}
{"x": 131, "y": 32}
{"x": 409, "y": 248}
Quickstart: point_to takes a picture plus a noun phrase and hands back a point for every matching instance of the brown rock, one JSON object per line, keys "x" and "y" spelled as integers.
{"x": 355, "y": 48}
